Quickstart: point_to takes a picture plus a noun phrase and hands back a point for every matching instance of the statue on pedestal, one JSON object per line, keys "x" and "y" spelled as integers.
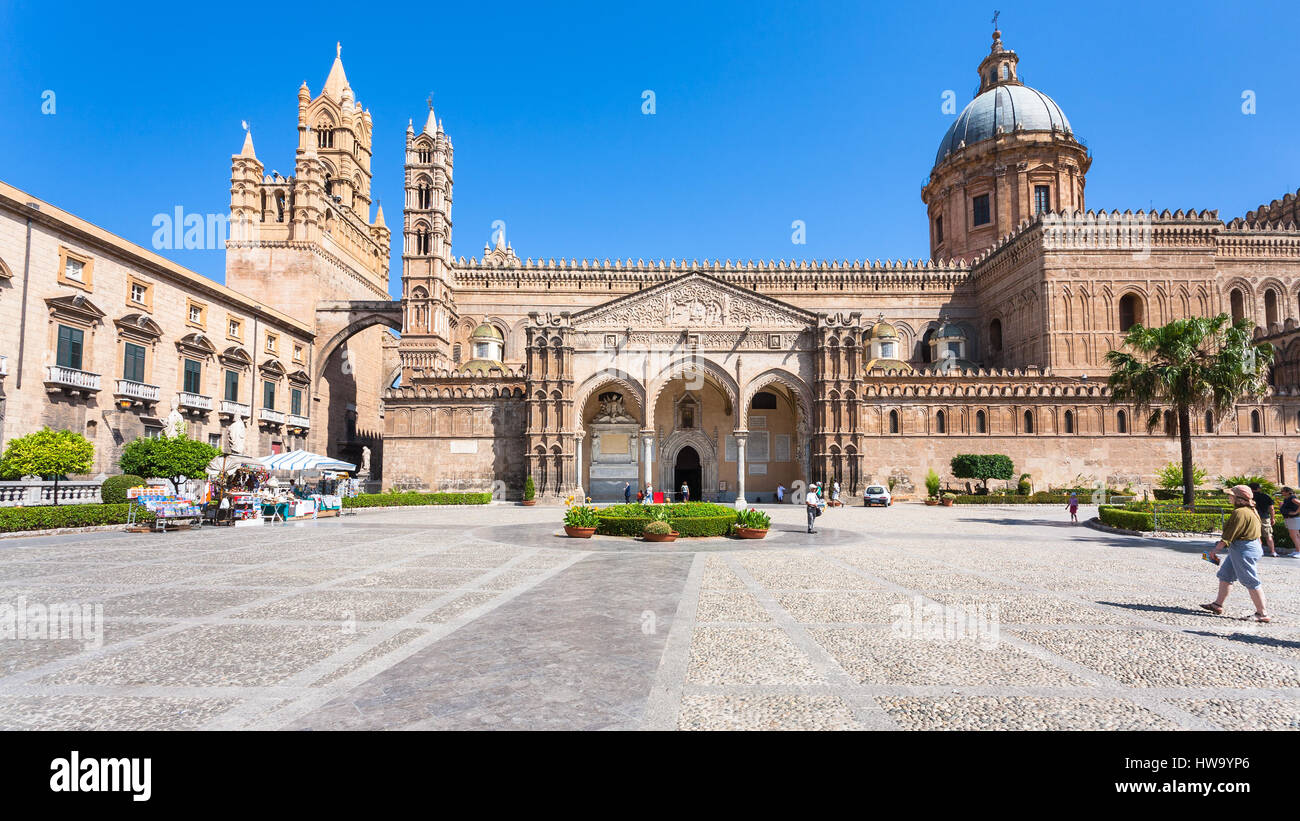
{"x": 236, "y": 434}
{"x": 174, "y": 424}
{"x": 365, "y": 461}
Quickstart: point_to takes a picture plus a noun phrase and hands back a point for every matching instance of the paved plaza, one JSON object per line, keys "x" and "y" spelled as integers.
{"x": 909, "y": 617}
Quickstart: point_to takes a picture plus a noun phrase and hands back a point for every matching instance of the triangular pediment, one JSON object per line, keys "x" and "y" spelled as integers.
{"x": 694, "y": 301}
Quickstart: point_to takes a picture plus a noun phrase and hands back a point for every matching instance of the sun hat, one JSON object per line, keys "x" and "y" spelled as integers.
{"x": 1242, "y": 492}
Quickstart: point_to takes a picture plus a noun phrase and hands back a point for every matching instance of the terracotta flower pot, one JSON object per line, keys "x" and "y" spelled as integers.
{"x": 931, "y": 502}
{"x": 528, "y": 502}
{"x": 750, "y": 532}
{"x": 579, "y": 532}
{"x": 947, "y": 502}
{"x": 660, "y": 537}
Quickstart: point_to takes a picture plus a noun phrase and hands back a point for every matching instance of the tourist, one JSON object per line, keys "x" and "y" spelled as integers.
{"x": 627, "y": 493}
{"x": 780, "y": 494}
{"x": 813, "y": 508}
{"x": 835, "y": 492}
{"x": 1073, "y": 505}
{"x": 1241, "y": 543}
{"x": 649, "y": 494}
{"x": 1290, "y": 511}
{"x": 1264, "y": 507}
{"x": 686, "y": 493}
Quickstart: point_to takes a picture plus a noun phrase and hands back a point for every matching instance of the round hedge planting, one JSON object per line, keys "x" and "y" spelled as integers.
{"x": 688, "y": 519}
{"x": 113, "y": 491}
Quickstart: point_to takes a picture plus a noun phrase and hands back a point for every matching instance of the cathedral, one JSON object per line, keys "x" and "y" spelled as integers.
{"x": 730, "y": 377}
{"x": 735, "y": 377}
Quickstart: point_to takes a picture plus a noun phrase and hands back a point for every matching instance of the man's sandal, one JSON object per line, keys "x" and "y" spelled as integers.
{"x": 1261, "y": 618}
{"x": 1216, "y": 609}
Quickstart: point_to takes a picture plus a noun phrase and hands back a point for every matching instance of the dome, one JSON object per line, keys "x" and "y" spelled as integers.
{"x": 486, "y": 331}
{"x": 950, "y": 331}
{"x": 480, "y": 366}
{"x": 1006, "y": 107}
{"x": 883, "y": 330}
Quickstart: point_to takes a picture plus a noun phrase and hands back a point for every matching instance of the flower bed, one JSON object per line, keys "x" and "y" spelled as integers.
{"x": 56, "y": 517}
{"x": 688, "y": 519}
{"x": 413, "y": 498}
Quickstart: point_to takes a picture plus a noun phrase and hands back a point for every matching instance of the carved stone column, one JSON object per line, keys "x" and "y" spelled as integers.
{"x": 741, "y": 436}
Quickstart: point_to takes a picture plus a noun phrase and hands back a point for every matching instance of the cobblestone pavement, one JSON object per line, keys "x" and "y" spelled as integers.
{"x": 908, "y": 617}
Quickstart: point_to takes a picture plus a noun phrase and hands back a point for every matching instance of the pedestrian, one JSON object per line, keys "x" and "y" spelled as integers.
{"x": 1074, "y": 507}
{"x": 1264, "y": 507}
{"x": 1241, "y": 543}
{"x": 627, "y": 493}
{"x": 1290, "y": 511}
{"x": 835, "y": 493}
{"x": 813, "y": 508}
{"x": 649, "y": 494}
{"x": 780, "y": 494}
{"x": 686, "y": 492}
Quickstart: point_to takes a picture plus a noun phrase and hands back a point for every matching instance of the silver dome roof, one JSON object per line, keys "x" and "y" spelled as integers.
{"x": 1007, "y": 107}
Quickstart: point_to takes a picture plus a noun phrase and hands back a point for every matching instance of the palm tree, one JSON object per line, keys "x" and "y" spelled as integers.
{"x": 1190, "y": 364}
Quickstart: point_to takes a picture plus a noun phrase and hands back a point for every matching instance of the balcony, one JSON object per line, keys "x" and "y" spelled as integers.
{"x": 4, "y": 365}
{"x": 130, "y": 392}
{"x": 270, "y": 417}
{"x": 235, "y": 409}
{"x": 71, "y": 381}
{"x": 299, "y": 422}
{"x": 196, "y": 402}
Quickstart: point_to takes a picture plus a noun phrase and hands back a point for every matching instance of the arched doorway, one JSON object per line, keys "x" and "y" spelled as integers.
{"x": 689, "y": 470}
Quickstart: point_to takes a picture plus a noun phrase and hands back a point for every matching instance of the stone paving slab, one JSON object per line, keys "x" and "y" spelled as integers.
{"x": 908, "y": 617}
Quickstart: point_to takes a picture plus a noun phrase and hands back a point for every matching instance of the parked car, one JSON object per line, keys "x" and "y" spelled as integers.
{"x": 876, "y": 495}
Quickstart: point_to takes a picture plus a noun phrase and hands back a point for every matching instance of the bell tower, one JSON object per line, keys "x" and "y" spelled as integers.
{"x": 426, "y": 254}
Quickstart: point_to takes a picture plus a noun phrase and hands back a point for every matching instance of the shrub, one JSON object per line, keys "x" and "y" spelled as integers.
{"x": 530, "y": 489}
{"x": 950, "y": 497}
{"x": 658, "y": 528}
{"x": 753, "y": 519}
{"x": 1264, "y": 484}
{"x": 1023, "y": 487}
{"x": 581, "y": 516}
{"x": 1170, "y": 477}
{"x": 113, "y": 491}
{"x": 1173, "y": 521}
{"x": 688, "y": 519}
{"x": 174, "y": 458}
{"x": 411, "y": 498}
{"x": 50, "y": 517}
{"x": 933, "y": 483}
{"x": 1040, "y": 498}
{"x": 982, "y": 466}
{"x": 1176, "y": 495}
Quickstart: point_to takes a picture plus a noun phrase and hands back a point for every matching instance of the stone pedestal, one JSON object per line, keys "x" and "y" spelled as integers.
{"x": 613, "y": 447}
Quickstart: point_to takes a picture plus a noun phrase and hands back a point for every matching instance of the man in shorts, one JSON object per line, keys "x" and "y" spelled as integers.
{"x": 1264, "y": 507}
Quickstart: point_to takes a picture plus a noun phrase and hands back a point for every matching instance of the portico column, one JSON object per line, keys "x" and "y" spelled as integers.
{"x": 577, "y": 476}
{"x": 648, "y": 438}
{"x": 740, "y": 435}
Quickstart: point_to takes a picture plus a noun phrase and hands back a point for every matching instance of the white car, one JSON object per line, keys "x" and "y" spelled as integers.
{"x": 876, "y": 495}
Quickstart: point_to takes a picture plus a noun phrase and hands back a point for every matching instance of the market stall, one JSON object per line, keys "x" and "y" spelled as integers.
{"x": 302, "y": 499}
{"x": 168, "y": 509}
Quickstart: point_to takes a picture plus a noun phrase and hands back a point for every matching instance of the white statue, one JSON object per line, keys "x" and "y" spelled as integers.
{"x": 174, "y": 424}
{"x": 365, "y": 460}
{"x": 236, "y": 434}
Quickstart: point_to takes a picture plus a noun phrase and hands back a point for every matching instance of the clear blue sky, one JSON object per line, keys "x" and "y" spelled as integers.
{"x": 766, "y": 112}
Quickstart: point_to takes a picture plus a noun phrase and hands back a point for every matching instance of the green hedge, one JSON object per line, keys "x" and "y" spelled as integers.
{"x": 688, "y": 519}
{"x": 412, "y": 498}
{"x": 1168, "y": 521}
{"x": 50, "y": 517}
{"x": 1040, "y": 498}
{"x": 1176, "y": 495}
{"x": 113, "y": 490}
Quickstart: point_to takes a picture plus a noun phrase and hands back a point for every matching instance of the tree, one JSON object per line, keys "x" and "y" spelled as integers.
{"x": 982, "y": 466}
{"x": 49, "y": 454}
{"x": 172, "y": 458}
{"x": 1199, "y": 364}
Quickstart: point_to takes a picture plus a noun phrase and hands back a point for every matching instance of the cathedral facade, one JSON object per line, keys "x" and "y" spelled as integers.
{"x": 736, "y": 377}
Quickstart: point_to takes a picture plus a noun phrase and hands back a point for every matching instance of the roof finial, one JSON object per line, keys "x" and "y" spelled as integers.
{"x": 338, "y": 48}
{"x": 430, "y": 101}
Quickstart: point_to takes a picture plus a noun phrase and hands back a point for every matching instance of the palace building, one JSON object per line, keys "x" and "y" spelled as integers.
{"x": 731, "y": 377}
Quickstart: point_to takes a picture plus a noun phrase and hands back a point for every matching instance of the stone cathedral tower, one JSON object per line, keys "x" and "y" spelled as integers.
{"x": 297, "y": 242}
{"x": 426, "y": 257}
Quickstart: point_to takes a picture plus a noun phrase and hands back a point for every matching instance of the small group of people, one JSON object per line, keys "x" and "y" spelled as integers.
{"x": 647, "y": 496}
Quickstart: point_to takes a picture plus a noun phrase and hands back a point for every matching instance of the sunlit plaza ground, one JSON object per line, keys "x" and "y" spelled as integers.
{"x": 909, "y": 617}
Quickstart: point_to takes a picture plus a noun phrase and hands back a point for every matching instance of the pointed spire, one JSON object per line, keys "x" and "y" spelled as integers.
{"x": 410, "y": 126}
{"x": 379, "y": 216}
{"x": 431, "y": 123}
{"x": 337, "y": 81}
{"x": 248, "y": 145}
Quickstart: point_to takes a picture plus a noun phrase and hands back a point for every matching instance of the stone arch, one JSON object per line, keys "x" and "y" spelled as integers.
{"x": 602, "y": 379}
{"x": 387, "y": 314}
{"x": 680, "y": 368}
{"x": 673, "y": 445}
{"x": 801, "y": 391}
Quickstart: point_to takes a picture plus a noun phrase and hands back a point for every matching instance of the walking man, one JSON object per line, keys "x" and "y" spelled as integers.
{"x": 1290, "y": 511}
{"x": 780, "y": 494}
{"x": 814, "y": 510}
{"x": 627, "y": 493}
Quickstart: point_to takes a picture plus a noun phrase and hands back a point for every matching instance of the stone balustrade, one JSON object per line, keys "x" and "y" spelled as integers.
{"x": 31, "y": 493}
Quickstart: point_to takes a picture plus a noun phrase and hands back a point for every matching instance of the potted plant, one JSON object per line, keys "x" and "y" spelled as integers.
{"x": 580, "y": 521}
{"x": 751, "y": 524}
{"x": 932, "y": 484}
{"x": 530, "y": 492}
{"x": 948, "y": 499}
{"x": 659, "y": 531}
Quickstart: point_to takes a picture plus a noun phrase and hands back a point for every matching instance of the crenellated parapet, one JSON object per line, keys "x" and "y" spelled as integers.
{"x": 1285, "y": 211}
